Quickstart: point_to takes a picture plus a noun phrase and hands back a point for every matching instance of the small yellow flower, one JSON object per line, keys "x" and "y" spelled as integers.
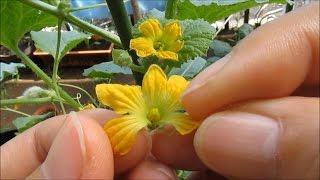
{"x": 164, "y": 42}
{"x": 151, "y": 106}
{"x": 88, "y": 106}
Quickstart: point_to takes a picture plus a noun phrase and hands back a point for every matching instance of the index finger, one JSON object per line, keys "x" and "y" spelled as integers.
{"x": 272, "y": 62}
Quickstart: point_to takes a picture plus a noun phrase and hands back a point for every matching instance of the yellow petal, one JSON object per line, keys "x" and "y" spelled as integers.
{"x": 121, "y": 98}
{"x": 123, "y": 131}
{"x": 167, "y": 55}
{"x": 175, "y": 87}
{"x": 172, "y": 31}
{"x": 183, "y": 123}
{"x": 151, "y": 28}
{"x": 143, "y": 46}
{"x": 175, "y": 46}
{"x": 154, "y": 86}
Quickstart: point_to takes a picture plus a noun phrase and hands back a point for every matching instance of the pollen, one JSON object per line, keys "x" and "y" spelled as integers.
{"x": 154, "y": 115}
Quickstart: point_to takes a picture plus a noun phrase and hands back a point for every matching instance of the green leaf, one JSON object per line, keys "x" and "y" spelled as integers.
{"x": 213, "y": 10}
{"x": 190, "y": 68}
{"x": 47, "y": 41}
{"x": 212, "y": 60}
{"x": 24, "y": 123}
{"x": 220, "y": 48}
{"x": 17, "y": 19}
{"x": 105, "y": 70}
{"x": 244, "y": 31}
{"x": 9, "y": 69}
{"x": 121, "y": 57}
{"x": 196, "y": 35}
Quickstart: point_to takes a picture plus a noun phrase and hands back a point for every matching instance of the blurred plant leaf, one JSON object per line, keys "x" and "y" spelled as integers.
{"x": 220, "y": 48}
{"x": 121, "y": 57}
{"x": 196, "y": 36}
{"x": 213, "y": 10}
{"x": 47, "y": 41}
{"x": 105, "y": 70}
{"x": 17, "y": 19}
{"x": 244, "y": 31}
{"x": 190, "y": 68}
{"x": 10, "y": 69}
{"x": 24, "y": 123}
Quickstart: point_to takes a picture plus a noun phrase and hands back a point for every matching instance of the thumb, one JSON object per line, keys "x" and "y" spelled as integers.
{"x": 270, "y": 139}
{"x": 70, "y": 157}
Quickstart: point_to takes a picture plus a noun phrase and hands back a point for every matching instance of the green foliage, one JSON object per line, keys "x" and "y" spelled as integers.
{"x": 18, "y": 19}
{"x": 213, "y": 10}
{"x": 182, "y": 174}
{"x": 9, "y": 69}
{"x": 105, "y": 70}
{"x": 24, "y": 123}
{"x": 220, "y": 48}
{"x": 190, "y": 68}
{"x": 121, "y": 57}
{"x": 47, "y": 41}
{"x": 244, "y": 31}
{"x": 196, "y": 35}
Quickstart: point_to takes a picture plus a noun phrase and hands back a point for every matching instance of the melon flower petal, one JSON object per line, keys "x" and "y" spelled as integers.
{"x": 163, "y": 42}
{"x": 154, "y": 105}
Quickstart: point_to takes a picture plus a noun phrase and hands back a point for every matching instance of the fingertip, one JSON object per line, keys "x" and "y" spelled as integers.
{"x": 175, "y": 150}
{"x": 138, "y": 153}
{"x": 99, "y": 114}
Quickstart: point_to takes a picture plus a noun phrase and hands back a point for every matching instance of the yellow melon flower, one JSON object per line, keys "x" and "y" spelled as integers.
{"x": 151, "y": 106}
{"x": 163, "y": 42}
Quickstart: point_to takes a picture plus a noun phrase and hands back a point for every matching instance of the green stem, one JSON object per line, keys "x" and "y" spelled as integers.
{"x": 123, "y": 26}
{"x": 56, "y": 63}
{"x": 8, "y": 102}
{"x": 15, "y": 111}
{"x": 79, "y": 88}
{"x": 170, "y": 9}
{"x": 137, "y": 68}
{"x": 89, "y": 7}
{"x": 27, "y": 61}
{"x": 73, "y": 20}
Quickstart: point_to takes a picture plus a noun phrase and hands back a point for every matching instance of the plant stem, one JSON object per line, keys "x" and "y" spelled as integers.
{"x": 123, "y": 26}
{"x": 26, "y": 60}
{"x": 79, "y": 88}
{"x": 8, "y": 102}
{"x": 170, "y": 9}
{"x": 56, "y": 63}
{"x": 88, "y": 7}
{"x": 73, "y": 20}
{"x": 15, "y": 111}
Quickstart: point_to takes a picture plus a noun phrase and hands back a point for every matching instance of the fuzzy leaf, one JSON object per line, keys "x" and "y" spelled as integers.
{"x": 190, "y": 68}
{"x": 244, "y": 31}
{"x": 105, "y": 70}
{"x": 121, "y": 57}
{"x": 9, "y": 69}
{"x": 213, "y": 10}
{"x": 24, "y": 123}
{"x": 220, "y": 48}
{"x": 196, "y": 35}
{"x": 47, "y": 41}
{"x": 17, "y": 19}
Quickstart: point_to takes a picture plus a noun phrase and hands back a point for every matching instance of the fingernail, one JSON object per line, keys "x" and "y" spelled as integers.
{"x": 207, "y": 74}
{"x": 167, "y": 173}
{"x": 238, "y": 144}
{"x": 67, "y": 153}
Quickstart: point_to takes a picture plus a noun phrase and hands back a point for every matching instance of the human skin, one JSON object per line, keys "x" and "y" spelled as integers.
{"x": 260, "y": 111}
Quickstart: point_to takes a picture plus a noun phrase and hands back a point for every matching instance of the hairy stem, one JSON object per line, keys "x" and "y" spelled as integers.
{"x": 89, "y": 7}
{"x": 79, "y": 88}
{"x": 15, "y": 111}
{"x": 8, "y": 102}
{"x": 27, "y": 61}
{"x": 170, "y": 9}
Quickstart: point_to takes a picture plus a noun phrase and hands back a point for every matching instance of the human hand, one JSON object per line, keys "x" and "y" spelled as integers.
{"x": 75, "y": 146}
{"x": 260, "y": 106}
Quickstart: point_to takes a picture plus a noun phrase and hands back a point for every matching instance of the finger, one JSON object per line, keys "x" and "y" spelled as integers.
{"x": 139, "y": 150}
{"x": 271, "y": 139}
{"x": 175, "y": 150}
{"x": 271, "y": 62}
{"x": 151, "y": 169}
{"x": 18, "y": 162}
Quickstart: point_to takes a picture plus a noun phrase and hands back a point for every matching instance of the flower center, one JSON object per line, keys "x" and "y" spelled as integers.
{"x": 153, "y": 115}
{"x": 158, "y": 45}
